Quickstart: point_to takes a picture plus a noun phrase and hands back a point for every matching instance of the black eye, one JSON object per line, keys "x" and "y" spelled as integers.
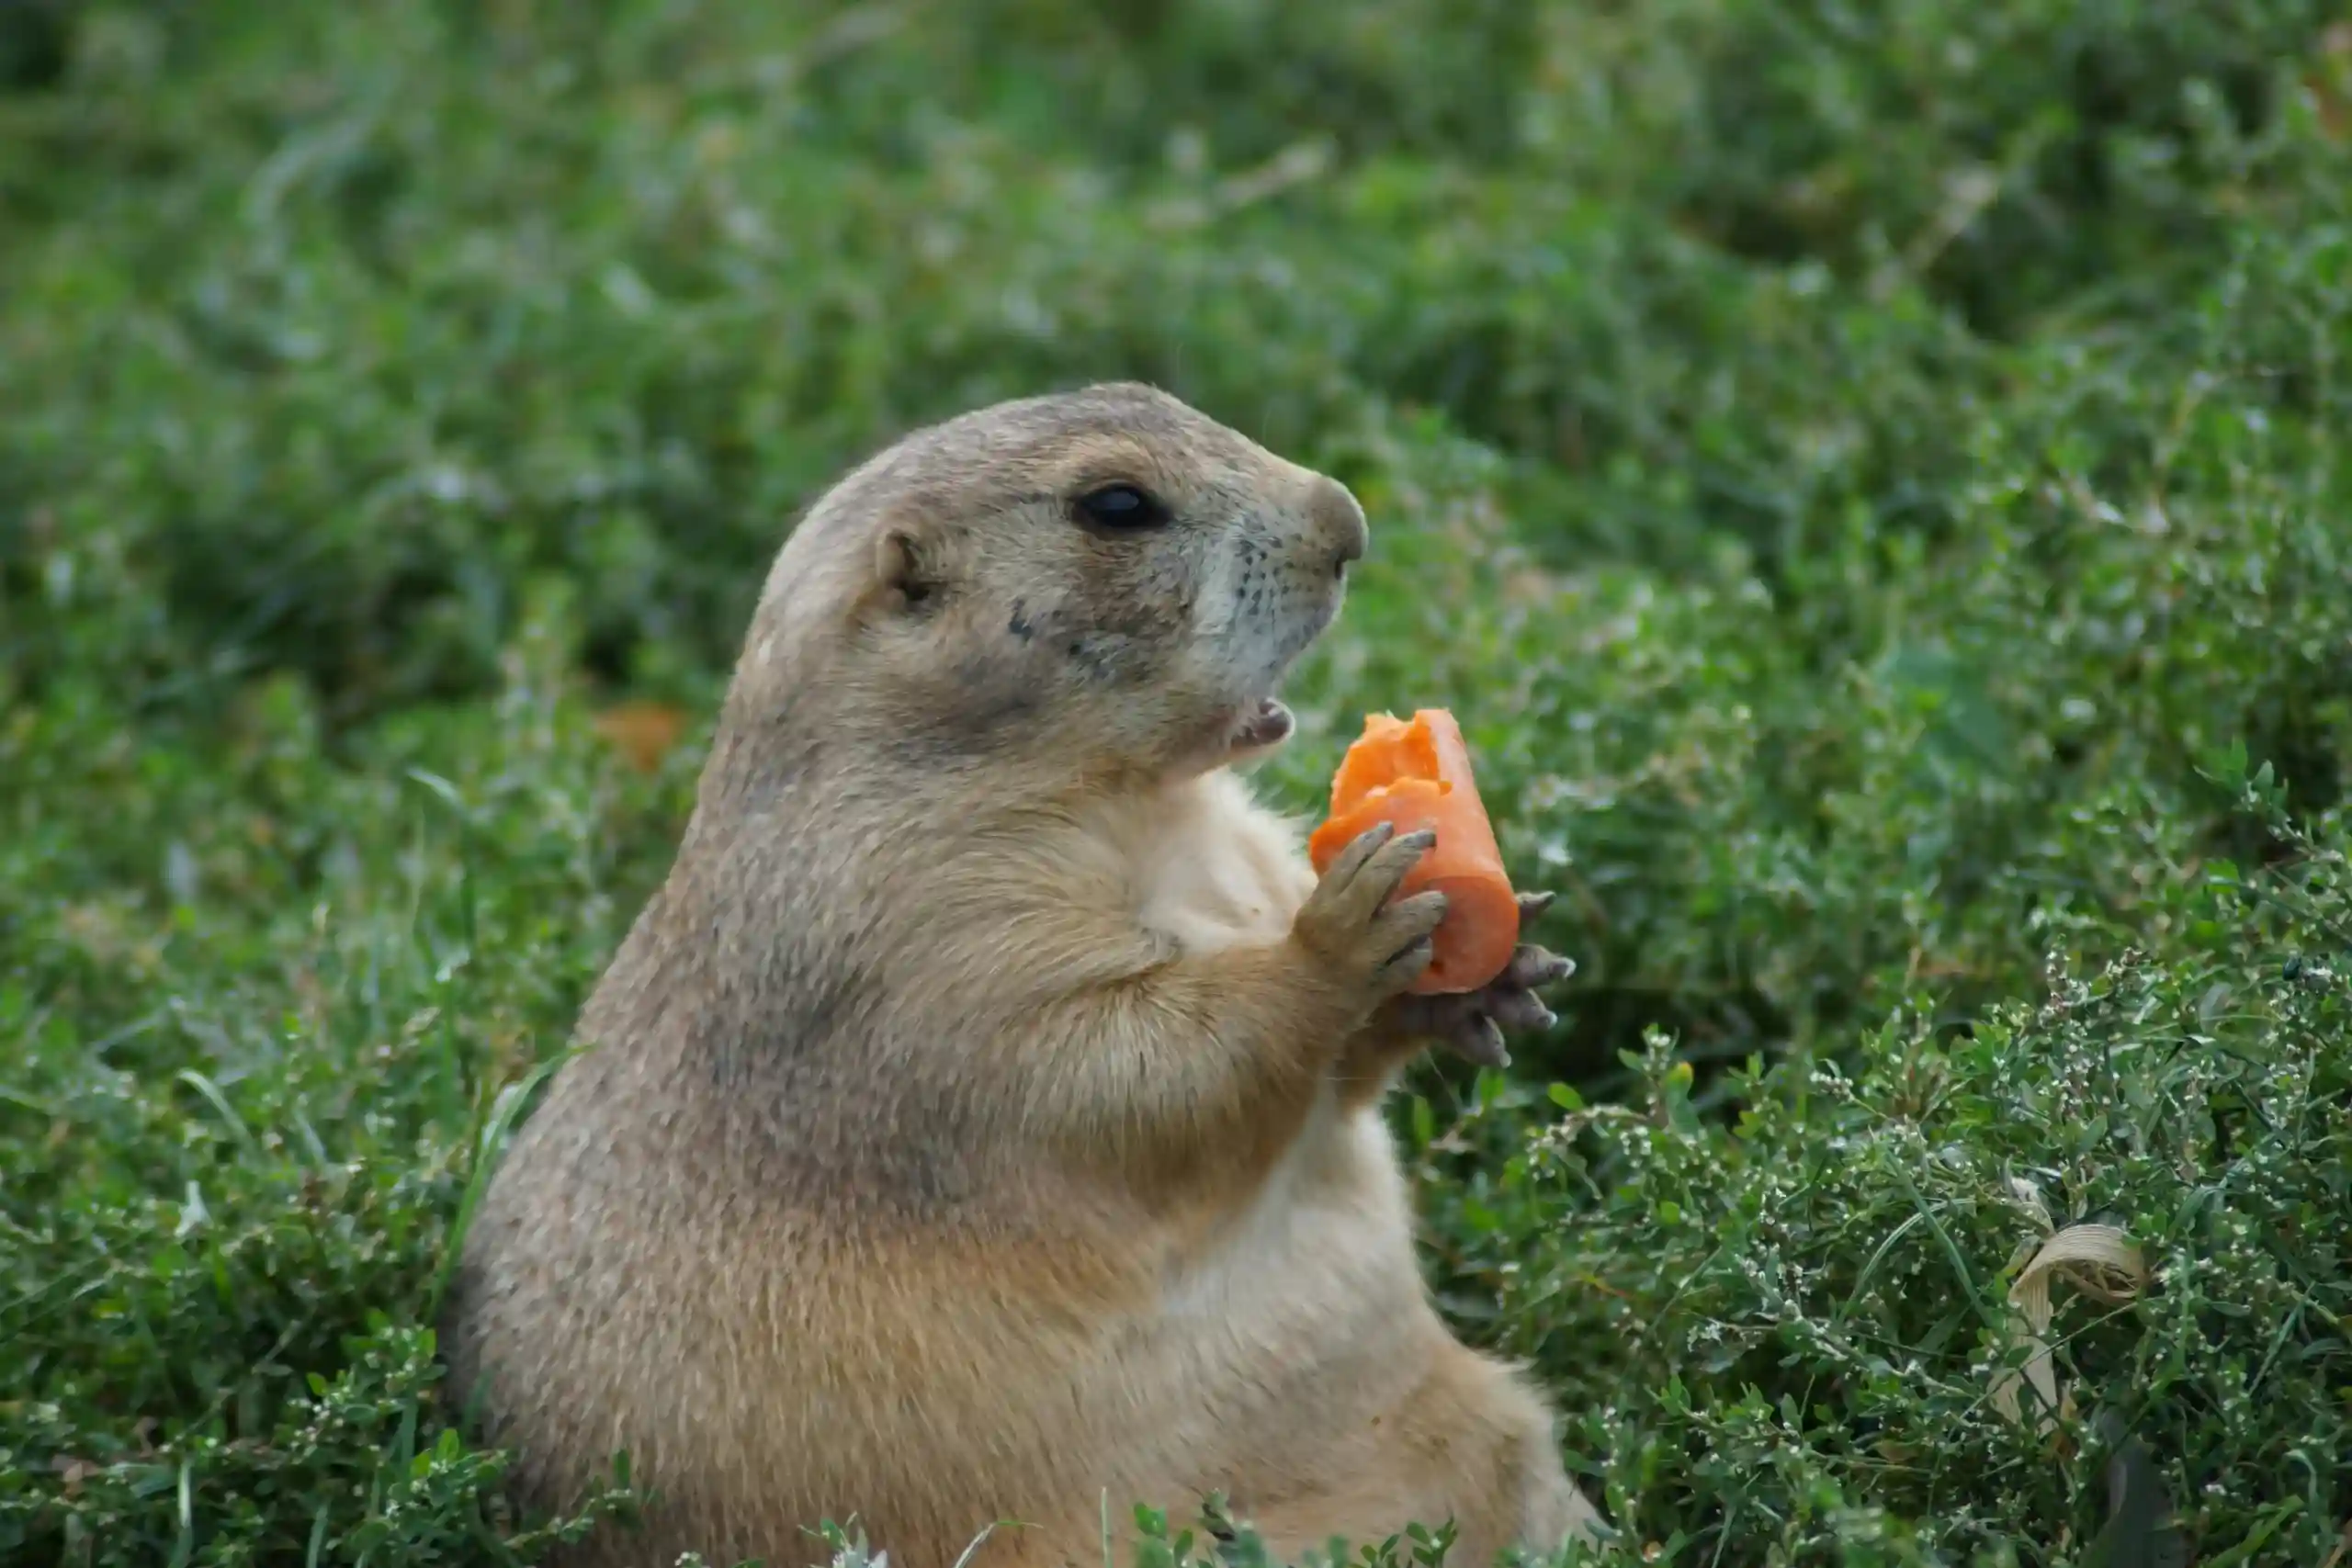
{"x": 1122, "y": 507}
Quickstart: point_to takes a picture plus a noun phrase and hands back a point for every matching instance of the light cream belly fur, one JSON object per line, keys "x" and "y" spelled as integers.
{"x": 1303, "y": 1317}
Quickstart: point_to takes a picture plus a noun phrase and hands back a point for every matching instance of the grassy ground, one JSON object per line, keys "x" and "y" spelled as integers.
{"x": 1871, "y": 478}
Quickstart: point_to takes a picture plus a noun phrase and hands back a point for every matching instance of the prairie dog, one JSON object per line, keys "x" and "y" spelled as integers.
{"x": 979, "y": 1126}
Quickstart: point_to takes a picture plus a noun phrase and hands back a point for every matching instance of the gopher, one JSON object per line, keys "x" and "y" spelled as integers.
{"x": 977, "y": 1133}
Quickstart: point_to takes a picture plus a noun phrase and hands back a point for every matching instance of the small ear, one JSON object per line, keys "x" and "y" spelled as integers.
{"x": 904, "y": 577}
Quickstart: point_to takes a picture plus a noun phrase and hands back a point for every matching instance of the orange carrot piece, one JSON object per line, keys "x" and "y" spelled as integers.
{"x": 1416, "y": 773}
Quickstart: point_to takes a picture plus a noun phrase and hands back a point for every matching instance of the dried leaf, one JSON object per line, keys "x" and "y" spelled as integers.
{"x": 642, "y": 732}
{"x": 74, "y": 1471}
{"x": 2100, "y": 1261}
{"x": 2330, "y": 81}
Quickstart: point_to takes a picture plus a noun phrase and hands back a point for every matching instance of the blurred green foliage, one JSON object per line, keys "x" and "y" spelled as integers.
{"x": 1869, "y": 478}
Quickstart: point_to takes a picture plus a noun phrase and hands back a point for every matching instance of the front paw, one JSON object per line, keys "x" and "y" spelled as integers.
{"x": 1351, "y": 933}
{"x": 1471, "y": 1023}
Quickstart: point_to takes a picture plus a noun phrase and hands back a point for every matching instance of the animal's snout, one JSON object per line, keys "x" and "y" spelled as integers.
{"x": 1337, "y": 524}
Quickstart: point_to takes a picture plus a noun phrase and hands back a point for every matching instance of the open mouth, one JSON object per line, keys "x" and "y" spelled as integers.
{"x": 1263, "y": 724}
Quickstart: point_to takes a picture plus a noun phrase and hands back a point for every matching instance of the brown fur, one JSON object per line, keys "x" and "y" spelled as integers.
{"x": 980, "y": 1123}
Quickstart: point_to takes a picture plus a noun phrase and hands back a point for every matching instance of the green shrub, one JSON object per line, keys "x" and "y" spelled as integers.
{"x": 1868, "y": 478}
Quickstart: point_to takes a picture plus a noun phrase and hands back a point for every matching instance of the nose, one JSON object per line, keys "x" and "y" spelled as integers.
{"x": 1339, "y": 523}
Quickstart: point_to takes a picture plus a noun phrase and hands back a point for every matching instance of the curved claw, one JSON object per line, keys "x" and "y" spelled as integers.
{"x": 1518, "y": 1010}
{"x": 1477, "y": 1039}
{"x": 1533, "y": 968}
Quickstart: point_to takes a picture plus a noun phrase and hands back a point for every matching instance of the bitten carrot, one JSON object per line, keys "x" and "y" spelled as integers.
{"x": 1416, "y": 773}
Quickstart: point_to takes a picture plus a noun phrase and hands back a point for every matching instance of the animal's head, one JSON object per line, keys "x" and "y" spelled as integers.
{"x": 1105, "y": 576}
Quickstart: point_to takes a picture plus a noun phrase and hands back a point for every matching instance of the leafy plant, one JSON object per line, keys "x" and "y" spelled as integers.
{"x": 1869, "y": 478}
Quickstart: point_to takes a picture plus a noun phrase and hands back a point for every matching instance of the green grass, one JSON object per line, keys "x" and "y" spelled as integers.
{"x": 1871, "y": 479}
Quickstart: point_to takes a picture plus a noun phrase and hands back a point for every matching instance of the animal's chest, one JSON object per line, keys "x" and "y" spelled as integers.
{"x": 1214, "y": 900}
{"x": 1210, "y": 893}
